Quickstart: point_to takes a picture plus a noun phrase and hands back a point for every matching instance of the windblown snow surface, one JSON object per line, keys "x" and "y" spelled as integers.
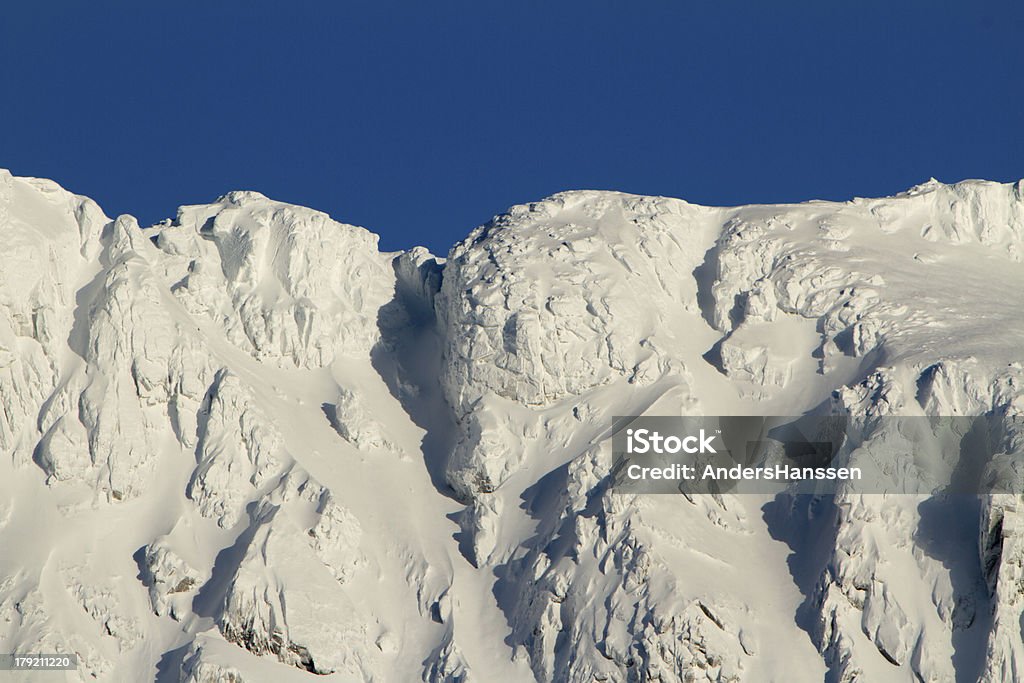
{"x": 246, "y": 445}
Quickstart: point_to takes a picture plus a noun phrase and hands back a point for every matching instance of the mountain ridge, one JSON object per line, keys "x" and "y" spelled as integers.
{"x": 244, "y": 444}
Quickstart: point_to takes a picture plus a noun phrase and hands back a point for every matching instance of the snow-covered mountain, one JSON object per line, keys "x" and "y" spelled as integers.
{"x": 245, "y": 445}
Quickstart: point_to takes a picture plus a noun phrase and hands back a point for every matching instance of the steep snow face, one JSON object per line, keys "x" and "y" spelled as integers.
{"x": 905, "y": 305}
{"x": 906, "y": 270}
{"x": 47, "y": 233}
{"x": 555, "y": 298}
{"x": 244, "y": 445}
{"x": 288, "y": 284}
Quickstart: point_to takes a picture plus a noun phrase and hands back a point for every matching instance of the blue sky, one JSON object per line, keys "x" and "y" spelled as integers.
{"x": 421, "y": 120}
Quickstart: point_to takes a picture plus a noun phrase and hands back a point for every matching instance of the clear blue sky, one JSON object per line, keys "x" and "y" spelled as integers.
{"x": 421, "y": 120}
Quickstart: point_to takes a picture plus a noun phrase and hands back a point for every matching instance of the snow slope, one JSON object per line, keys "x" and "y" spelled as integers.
{"x": 245, "y": 445}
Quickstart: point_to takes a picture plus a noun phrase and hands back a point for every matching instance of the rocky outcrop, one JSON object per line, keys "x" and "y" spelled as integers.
{"x": 284, "y": 602}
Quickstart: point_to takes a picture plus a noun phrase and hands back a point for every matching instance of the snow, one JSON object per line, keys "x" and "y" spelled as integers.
{"x": 245, "y": 445}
